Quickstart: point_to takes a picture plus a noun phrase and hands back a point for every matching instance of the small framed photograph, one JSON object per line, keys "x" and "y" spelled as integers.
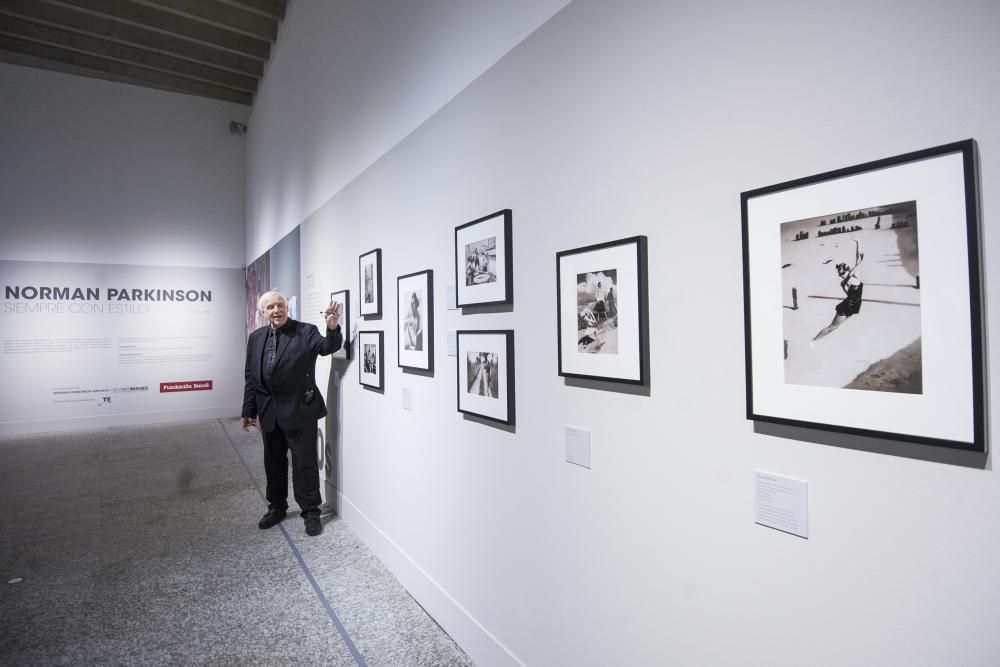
{"x": 343, "y": 301}
{"x": 862, "y": 300}
{"x": 601, "y": 301}
{"x": 484, "y": 261}
{"x": 486, "y": 374}
{"x": 370, "y": 282}
{"x": 415, "y": 308}
{"x": 370, "y": 370}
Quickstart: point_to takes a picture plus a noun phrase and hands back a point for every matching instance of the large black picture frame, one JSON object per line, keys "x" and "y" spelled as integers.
{"x": 370, "y": 271}
{"x": 863, "y": 300}
{"x": 367, "y": 377}
{"x": 415, "y": 349}
{"x": 601, "y": 334}
{"x": 479, "y": 280}
{"x": 485, "y": 377}
{"x": 343, "y": 299}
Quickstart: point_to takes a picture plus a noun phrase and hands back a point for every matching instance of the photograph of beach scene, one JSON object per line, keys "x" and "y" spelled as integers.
{"x": 851, "y": 300}
{"x": 597, "y": 312}
{"x": 482, "y": 374}
{"x": 481, "y": 262}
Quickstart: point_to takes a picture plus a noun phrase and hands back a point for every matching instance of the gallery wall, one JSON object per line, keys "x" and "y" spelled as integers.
{"x": 348, "y": 80}
{"x": 618, "y": 119}
{"x": 95, "y": 171}
{"x": 103, "y": 185}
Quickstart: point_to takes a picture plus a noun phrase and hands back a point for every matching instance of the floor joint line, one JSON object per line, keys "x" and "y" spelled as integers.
{"x": 358, "y": 658}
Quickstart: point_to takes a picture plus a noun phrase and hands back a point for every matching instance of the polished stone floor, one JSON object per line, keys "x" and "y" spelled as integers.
{"x": 139, "y": 546}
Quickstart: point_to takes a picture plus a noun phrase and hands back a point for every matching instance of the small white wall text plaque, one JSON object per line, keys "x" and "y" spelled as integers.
{"x": 578, "y": 446}
{"x": 781, "y": 503}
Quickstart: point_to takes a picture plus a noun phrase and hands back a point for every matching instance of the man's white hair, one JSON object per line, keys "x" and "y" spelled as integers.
{"x": 267, "y": 296}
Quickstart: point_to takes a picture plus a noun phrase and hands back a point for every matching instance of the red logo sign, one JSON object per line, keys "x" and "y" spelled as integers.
{"x": 185, "y": 385}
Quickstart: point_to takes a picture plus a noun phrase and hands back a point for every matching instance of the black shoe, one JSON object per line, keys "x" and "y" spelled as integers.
{"x": 271, "y": 518}
{"x": 313, "y": 525}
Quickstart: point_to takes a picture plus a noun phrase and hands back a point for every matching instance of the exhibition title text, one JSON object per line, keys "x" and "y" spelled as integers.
{"x": 46, "y": 293}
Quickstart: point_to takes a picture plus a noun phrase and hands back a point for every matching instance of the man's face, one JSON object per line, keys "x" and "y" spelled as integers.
{"x": 275, "y": 311}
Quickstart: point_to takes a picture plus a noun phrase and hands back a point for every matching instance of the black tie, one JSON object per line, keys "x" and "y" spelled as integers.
{"x": 269, "y": 354}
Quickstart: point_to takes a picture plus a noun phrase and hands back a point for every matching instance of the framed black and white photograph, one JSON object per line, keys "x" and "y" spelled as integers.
{"x": 370, "y": 368}
{"x": 370, "y": 282}
{"x": 343, "y": 301}
{"x": 415, "y": 308}
{"x": 601, "y": 297}
{"x": 484, "y": 261}
{"x": 486, "y": 374}
{"x": 862, "y": 300}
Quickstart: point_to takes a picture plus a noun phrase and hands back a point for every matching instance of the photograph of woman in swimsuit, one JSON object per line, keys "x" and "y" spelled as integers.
{"x": 863, "y": 265}
{"x": 413, "y": 330}
{"x": 852, "y": 285}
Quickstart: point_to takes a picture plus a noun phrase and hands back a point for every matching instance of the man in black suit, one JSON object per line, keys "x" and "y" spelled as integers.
{"x": 280, "y": 396}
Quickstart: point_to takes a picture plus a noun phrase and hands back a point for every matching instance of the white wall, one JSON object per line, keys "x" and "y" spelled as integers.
{"x": 94, "y": 171}
{"x": 616, "y": 119}
{"x": 348, "y": 80}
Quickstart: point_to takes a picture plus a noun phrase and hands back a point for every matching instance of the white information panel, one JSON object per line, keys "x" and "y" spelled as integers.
{"x": 89, "y": 345}
{"x": 578, "y": 446}
{"x": 781, "y": 503}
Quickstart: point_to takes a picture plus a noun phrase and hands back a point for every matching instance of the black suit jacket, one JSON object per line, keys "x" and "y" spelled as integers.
{"x": 282, "y": 401}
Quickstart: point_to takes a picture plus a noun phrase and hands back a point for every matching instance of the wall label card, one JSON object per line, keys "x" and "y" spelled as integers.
{"x": 781, "y": 503}
{"x": 578, "y": 446}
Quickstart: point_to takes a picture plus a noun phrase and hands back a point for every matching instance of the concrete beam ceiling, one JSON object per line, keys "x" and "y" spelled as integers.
{"x": 210, "y": 48}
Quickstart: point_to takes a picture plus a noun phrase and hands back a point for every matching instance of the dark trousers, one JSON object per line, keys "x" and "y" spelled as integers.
{"x": 305, "y": 468}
